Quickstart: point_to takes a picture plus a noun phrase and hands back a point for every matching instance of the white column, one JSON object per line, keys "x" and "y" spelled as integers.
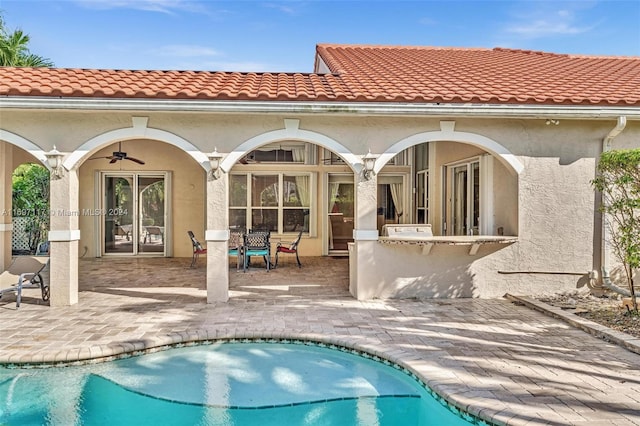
{"x": 6, "y": 225}
{"x": 365, "y": 237}
{"x": 64, "y": 235}
{"x": 217, "y": 237}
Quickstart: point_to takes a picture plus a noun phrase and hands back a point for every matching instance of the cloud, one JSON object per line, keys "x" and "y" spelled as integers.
{"x": 162, "y": 6}
{"x": 427, "y": 21}
{"x": 282, "y": 8}
{"x": 184, "y": 50}
{"x": 548, "y": 22}
{"x": 546, "y": 28}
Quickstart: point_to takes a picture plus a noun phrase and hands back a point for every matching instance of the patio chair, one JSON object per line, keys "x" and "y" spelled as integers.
{"x": 291, "y": 248}
{"x": 197, "y": 248}
{"x": 236, "y": 241}
{"x": 24, "y": 272}
{"x": 43, "y": 249}
{"x": 151, "y": 231}
{"x": 256, "y": 244}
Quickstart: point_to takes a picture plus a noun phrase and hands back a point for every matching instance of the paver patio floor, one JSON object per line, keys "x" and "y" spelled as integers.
{"x": 501, "y": 361}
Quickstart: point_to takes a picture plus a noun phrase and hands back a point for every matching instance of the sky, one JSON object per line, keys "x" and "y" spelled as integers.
{"x": 280, "y": 36}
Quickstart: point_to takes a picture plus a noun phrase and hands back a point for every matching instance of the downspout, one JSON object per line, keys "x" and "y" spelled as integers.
{"x": 604, "y": 255}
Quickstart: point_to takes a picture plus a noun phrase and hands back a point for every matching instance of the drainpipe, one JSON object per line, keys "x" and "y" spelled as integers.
{"x": 604, "y": 255}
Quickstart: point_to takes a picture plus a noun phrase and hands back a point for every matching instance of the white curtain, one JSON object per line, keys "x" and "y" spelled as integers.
{"x": 460, "y": 200}
{"x": 302, "y": 187}
{"x": 299, "y": 154}
{"x": 396, "y": 196}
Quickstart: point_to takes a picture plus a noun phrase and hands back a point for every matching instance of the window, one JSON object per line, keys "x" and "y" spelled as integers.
{"x": 283, "y": 152}
{"x": 278, "y": 202}
{"x": 422, "y": 196}
{"x": 391, "y": 200}
{"x": 331, "y": 158}
{"x": 421, "y": 165}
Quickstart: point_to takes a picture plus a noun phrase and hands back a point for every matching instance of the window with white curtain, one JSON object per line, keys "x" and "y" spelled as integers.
{"x": 278, "y": 202}
{"x": 391, "y": 200}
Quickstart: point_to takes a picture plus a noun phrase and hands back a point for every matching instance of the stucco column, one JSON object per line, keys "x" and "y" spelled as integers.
{"x": 64, "y": 235}
{"x": 6, "y": 218}
{"x": 365, "y": 235}
{"x": 217, "y": 237}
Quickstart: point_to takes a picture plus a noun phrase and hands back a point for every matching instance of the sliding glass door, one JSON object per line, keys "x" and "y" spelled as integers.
{"x": 134, "y": 213}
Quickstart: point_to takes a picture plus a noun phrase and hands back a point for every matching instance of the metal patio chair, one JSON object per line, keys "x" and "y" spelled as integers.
{"x": 291, "y": 248}
{"x": 256, "y": 244}
{"x": 197, "y": 248}
{"x": 236, "y": 242}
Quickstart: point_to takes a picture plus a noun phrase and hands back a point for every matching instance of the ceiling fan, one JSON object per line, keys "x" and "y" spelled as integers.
{"x": 120, "y": 155}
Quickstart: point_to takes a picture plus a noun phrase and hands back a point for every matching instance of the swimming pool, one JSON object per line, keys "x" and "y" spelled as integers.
{"x": 223, "y": 384}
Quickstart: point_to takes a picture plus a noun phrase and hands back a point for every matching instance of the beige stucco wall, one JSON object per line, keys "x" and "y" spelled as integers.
{"x": 550, "y": 206}
{"x": 505, "y": 199}
{"x": 20, "y": 156}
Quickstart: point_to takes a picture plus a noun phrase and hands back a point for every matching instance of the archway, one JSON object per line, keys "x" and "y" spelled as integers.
{"x": 138, "y": 130}
{"x": 282, "y": 181}
{"x": 458, "y": 178}
{"x": 14, "y": 150}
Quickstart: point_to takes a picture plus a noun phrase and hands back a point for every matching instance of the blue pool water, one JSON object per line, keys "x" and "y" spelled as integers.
{"x": 222, "y": 384}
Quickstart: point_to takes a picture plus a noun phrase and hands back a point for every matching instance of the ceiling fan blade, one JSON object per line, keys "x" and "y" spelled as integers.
{"x": 113, "y": 159}
{"x": 135, "y": 160}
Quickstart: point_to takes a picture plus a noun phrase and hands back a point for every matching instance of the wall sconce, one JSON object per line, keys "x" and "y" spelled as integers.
{"x": 214, "y": 161}
{"x": 369, "y": 162}
{"x": 54, "y": 159}
{"x": 552, "y": 121}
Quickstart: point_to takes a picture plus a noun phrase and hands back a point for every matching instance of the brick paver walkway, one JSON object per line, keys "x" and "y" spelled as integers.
{"x": 496, "y": 359}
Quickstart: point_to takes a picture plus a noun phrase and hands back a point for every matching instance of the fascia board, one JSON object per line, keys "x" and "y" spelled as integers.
{"x": 329, "y": 108}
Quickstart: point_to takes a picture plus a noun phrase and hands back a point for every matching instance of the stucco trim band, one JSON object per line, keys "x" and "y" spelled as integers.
{"x": 365, "y": 235}
{"x": 216, "y": 235}
{"x": 6, "y": 227}
{"x": 64, "y": 235}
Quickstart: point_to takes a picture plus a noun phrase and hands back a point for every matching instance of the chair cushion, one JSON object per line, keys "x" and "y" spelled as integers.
{"x": 257, "y": 252}
{"x": 286, "y": 250}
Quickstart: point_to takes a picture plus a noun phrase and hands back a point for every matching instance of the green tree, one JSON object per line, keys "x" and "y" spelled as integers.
{"x": 30, "y": 198}
{"x": 14, "y": 50}
{"x": 619, "y": 182}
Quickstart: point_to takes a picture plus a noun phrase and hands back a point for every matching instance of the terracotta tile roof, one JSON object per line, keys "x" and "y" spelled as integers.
{"x": 429, "y": 74}
{"x": 366, "y": 74}
{"x": 62, "y": 82}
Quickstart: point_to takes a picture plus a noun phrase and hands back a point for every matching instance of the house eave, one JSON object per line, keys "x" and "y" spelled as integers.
{"x": 333, "y": 108}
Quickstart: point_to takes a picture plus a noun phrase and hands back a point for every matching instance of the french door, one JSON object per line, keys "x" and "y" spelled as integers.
{"x": 134, "y": 212}
{"x": 463, "y": 206}
{"x": 340, "y": 213}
